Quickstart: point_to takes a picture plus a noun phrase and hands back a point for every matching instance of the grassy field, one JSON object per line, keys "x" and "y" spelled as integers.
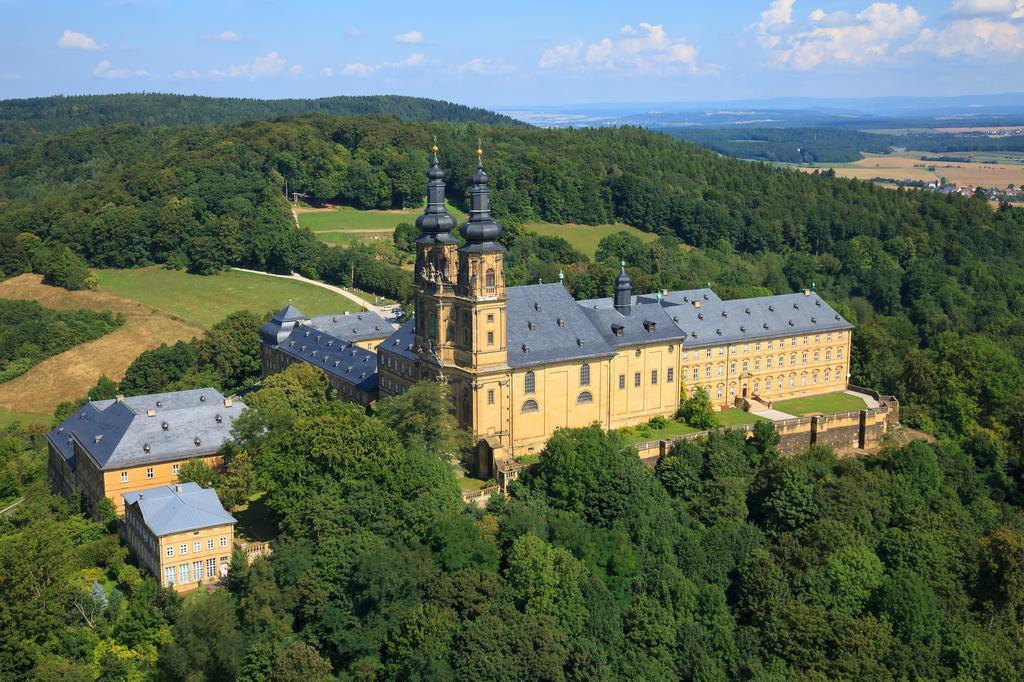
{"x": 203, "y": 301}
{"x": 829, "y": 402}
{"x": 24, "y": 418}
{"x": 348, "y": 218}
{"x": 1003, "y": 169}
{"x": 586, "y": 237}
{"x": 738, "y": 417}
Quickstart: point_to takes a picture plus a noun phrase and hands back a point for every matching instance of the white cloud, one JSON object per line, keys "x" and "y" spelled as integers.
{"x": 646, "y": 49}
{"x": 984, "y": 38}
{"x": 410, "y": 37}
{"x": 269, "y": 64}
{"x": 327, "y": 71}
{"x": 360, "y": 70}
{"x": 295, "y": 69}
{"x": 104, "y": 70}
{"x": 185, "y": 75}
{"x": 71, "y": 40}
{"x": 560, "y": 55}
{"x": 988, "y": 8}
{"x": 226, "y": 36}
{"x": 486, "y": 67}
{"x": 836, "y": 37}
{"x": 355, "y": 32}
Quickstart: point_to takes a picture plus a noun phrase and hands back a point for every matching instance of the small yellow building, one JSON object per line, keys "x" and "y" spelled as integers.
{"x": 109, "y": 447}
{"x": 180, "y": 533}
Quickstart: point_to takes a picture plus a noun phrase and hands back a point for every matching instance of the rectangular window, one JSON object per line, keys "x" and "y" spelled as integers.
{"x": 757, "y": 363}
{"x": 149, "y": 472}
{"x": 721, "y": 351}
{"x": 636, "y": 378}
{"x": 196, "y": 546}
{"x": 490, "y": 397}
{"x": 490, "y": 317}
{"x": 746, "y": 348}
{"x": 745, "y": 365}
{"x": 197, "y": 570}
{"x": 757, "y": 346}
{"x": 175, "y": 468}
{"x": 670, "y": 375}
{"x": 696, "y": 374}
{"x": 709, "y": 352}
{"x": 707, "y": 372}
{"x": 792, "y": 342}
{"x": 721, "y": 369}
{"x": 124, "y": 477}
{"x": 769, "y": 345}
{"x": 654, "y": 376}
{"x": 223, "y": 541}
{"x": 622, "y": 381}
{"x": 169, "y": 551}
{"x": 211, "y": 568}
{"x": 169, "y": 575}
{"x": 719, "y": 391}
{"x": 183, "y": 550}
{"x": 183, "y": 573}
{"x": 490, "y": 338}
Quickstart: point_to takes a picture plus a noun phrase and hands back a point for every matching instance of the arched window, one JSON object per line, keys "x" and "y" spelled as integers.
{"x": 585, "y": 375}
{"x": 828, "y": 375}
{"x": 584, "y": 398}
{"x": 489, "y": 278}
{"x": 531, "y": 382}
{"x": 530, "y": 406}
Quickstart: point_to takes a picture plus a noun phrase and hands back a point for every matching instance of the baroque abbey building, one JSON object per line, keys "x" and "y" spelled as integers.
{"x": 524, "y": 361}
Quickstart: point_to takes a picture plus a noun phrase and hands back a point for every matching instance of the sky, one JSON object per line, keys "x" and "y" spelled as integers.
{"x": 519, "y": 52}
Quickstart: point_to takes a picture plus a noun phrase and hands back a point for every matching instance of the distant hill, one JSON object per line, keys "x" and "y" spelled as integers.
{"x": 64, "y": 113}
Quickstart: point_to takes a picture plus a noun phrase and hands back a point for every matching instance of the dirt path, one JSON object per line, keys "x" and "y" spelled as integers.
{"x": 384, "y": 311}
{"x": 70, "y": 375}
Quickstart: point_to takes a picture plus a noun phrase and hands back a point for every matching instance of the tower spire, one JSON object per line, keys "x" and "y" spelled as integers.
{"x": 435, "y": 224}
{"x": 481, "y": 232}
{"x": 623, "y": 298}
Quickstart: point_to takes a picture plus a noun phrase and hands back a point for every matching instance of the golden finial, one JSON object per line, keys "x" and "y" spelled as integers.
{"x": 435, "y": 148}
{"x": 479, "y": 148}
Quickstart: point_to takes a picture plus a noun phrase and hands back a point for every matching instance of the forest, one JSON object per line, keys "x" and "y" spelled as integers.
{"x": 836, "y": 145}
{"x": 62, "y": 113}
{"x": 727, "y": 562}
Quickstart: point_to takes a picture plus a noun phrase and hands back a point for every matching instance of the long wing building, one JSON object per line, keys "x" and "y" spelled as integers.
{"x": 524, "y": 361}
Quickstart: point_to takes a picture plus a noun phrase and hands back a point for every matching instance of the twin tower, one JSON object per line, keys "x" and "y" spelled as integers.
{"x": 460, "y": 328}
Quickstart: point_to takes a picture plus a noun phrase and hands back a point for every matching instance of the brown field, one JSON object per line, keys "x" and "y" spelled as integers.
{"x": 911, "y": 167}
{"x": 994, "y": 131}
{"x": 71, "y": 374}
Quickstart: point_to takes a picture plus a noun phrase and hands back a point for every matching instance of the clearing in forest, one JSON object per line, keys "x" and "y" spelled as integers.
{"x": 585, "y": 238}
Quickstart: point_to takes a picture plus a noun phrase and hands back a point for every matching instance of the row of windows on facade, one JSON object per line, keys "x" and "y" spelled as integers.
{"x": 150, "y": 473}
{"x": 392, "y": 386}
{"x": 745, "y": 365}
{"x": 780, "y": 382}
{"x": 396, "y": 365}
{"x": 197, "y": 546}
{"x": 757, "y": 346}
{"x": 530, "y": 379}
{"x": 192, "y": 572}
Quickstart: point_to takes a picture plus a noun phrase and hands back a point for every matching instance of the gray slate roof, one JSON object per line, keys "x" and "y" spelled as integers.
{"x": 338, "y": 357}
{"x": 119, "y": 435}
{"x": 179, "y": 508}
{"x": 353, "y": 326}
{"x": 646, "y": 323}
{"x": 718, "y": 322}
{"x": 401, "y": 342}
{"x": 546, "y": 325}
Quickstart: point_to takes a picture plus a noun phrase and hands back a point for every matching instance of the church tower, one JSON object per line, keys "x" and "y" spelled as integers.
{"x": 435, "y": 276}
{"x": 481, "y": 283}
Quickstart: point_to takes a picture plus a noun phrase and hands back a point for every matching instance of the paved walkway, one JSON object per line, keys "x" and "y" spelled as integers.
{"x": 384, "y": 311}
{"x": 775, "y": 415}
{"x": 871, "y": 402}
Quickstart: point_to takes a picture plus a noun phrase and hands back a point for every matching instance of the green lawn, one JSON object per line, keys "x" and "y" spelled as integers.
{"x": 25, "y": 418}
{"x": 205, "y": 300}
{"x": 829, "y": 402}
{"x": 347, "y": 218}
{"x": 586, "y": 237}
{"x": 736, "y": 417}
{"x": 471, "y": 485}
{"x": 349, "y": 238}
{"x": 644, "y": 434}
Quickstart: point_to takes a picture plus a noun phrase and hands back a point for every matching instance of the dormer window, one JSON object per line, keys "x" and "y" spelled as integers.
{"x": 650, "y": 326}
{"x": 618, "y": 330}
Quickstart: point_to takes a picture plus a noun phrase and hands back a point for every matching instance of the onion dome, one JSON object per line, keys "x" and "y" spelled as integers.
{"x": 436, "y": 224}
{"x": 481, "y": 231}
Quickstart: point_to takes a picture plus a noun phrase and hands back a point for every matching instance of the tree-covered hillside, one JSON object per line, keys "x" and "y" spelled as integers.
{"x": 61, "y": 113}
{"x": 935, "y": 283}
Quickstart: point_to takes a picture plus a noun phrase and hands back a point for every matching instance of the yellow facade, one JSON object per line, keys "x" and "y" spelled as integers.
{"x": 181, "y": 561}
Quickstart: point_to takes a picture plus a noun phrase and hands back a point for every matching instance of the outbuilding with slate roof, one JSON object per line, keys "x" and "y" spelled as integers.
{"x": 180, "y": 532}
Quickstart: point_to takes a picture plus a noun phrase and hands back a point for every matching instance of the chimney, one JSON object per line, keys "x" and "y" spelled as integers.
{"x": 150, "y": 413}
{"x": 227, "y": 402}
{"x": 119, "y": 398}
{"x": 177, "y": 487}
{"x": 807, "y": 292}
{"x": 696, "y": 304}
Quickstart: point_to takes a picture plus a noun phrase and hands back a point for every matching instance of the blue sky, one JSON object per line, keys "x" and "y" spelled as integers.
{"x": 524, "y": 52}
